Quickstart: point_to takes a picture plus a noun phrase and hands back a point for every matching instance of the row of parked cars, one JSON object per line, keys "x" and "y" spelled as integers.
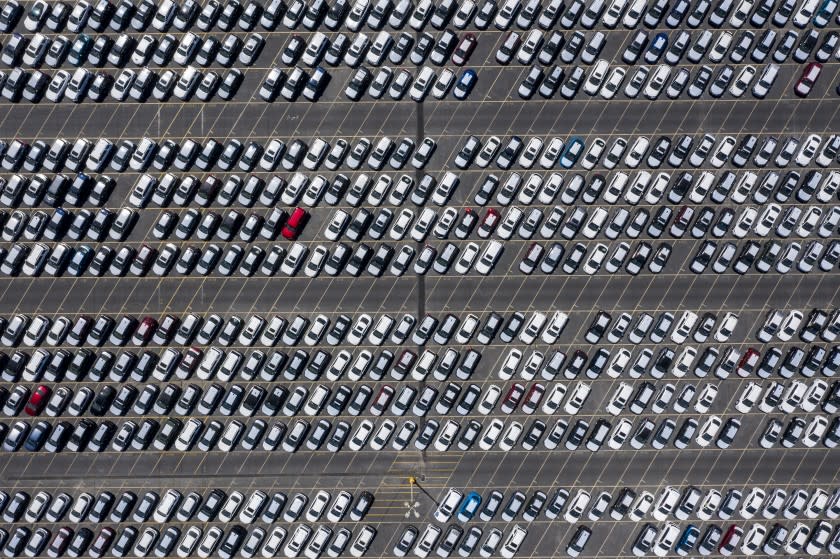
{"x": 40, "y": 329}
{"x": 102, "y": 50}
{"x": 377, "y": 14}
{"x": 173, "y": 505}
{"x": 704, "y": 151}
{"x": 379, "y": 49}
{"x": 798, "y": 429}
{"x": 89, "y": 156}
{"x": 629, "y": 504}
{"x": 195, "y": 329}
{"x": 128, "y": 85}
{"x": 337, "y": 400}
{"x": 366, "y": 330}
{"x": 443, "y": 544}
{"x": 169, "y": 15}
{"x": 646, "y": 188}
{"x": 721, "y": 362}
{"x": 98, "y": 155}
{"x": 539, "y": 46}
{"x": 62, "y": 259}
{"x": 796, "y": 221}
{"x": 765, "y": 257}
{"x": 418, "y": 87}
{"x": 237, "y": 541}
{"x": 139, "y": 15}
{"x": 783, "y": 325}
{"x": 651, "y": 83}
{"x": 87, "y": 435}
{"x": 813, "y": 540}
{"x": 211, "y": 191}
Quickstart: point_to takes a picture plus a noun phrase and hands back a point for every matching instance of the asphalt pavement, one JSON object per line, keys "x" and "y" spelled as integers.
{"x": 492, "y": 109}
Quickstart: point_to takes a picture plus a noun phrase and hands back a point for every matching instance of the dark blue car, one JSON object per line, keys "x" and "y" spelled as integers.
{"x": 469, "y": 506}
{"x": 657, "y": 48}
{"x": 572, "y": 152}
{"x": 465, "y": 84}
{"x": 687, "y": 540}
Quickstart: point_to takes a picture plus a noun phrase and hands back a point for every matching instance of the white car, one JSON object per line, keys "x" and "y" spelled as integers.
{"x": 489, "y": 400}
{"x": 808, "y": 150}
{"x": 577, "y": 506}
{"x": 748, "y": 398}
{"x": 613, "y": 84}
{"x": 771, "y": 326}
{"x": 723, "y": 151}
{"x": 511, "y": 436}
{"x": 489, "y": 257}
{"x": 706, "y": 398}
{"x": 422, "y": 84}
{"x": 619, "y": 399}
{"x": 789, "y": 326}
{"x": 815, "y": 431}
{"x": 577, "y": 398}
{"x": 510, "y": 364}
{"x": 709, "y": 431}
{"x": 619, "y": 362}
{"x": 684, "y": 327}
{"x": 637, "y": 151}
{"x": 727, "y": 326}
{"x": 468, "y": 326}
{"x": 752, "y": 503}
{"x": 427, "y": 541}
{"x": 709, "y": 505}
{"x": 363, "y": 541}
{"x": 532, "y": 328}
{"x": 380, "y": 331}
{"x": 361, "y": 436}
{"x": 641, "y": 506}
{"x": 753, "y": 538}
{"x": 530, "y": 153}
{"x": 554, "y": 399}
{"x": 555, "y": 327}
{"x": 767, "y": 220}
{"x": 488, "y": 152}
{"x": 666, "y": 540}
{"x": 657, "y": 81}
{"x": 666, "y": 502}
{"x": 595, "y": 79}
{"x": 620, "y": 433}
{"x": 448, "y": 505}
{"x": 741, "y": 83}
{"x": 513, "y": 542}
{"x": 359, "y": 329}
{"x": 491, "y": 434}
{"x": 745, "y": 222}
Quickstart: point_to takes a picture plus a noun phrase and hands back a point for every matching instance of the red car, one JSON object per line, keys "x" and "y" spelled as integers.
{"x": 190, "y": 362}
{"x": 489, "y": 223}
{"x": 730, "y": 540}
{"x": 102, "y": 543}
{"x": 808, "y": 79}
{"x": 144, "y": 331}
{"x": 748, "y": 363}
{"x": 295, "y": 224}
{"x": 382, "y": 399}
{"x": 404, "y": 364}
{"x": 532, "y": 400}
{"x": 464, "y": 49}
{"x": 38, "y": 401}
{"x": 514, "y": 396}
{"x": 166, "y": 329}
{"x": 60, "y": 542}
